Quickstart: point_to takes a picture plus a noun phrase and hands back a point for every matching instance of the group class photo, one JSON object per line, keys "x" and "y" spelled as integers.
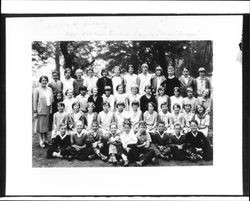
{"x": 122, "y": 103}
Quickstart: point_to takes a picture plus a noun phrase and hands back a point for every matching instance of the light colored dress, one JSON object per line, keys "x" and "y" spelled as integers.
{"x": 68, "y": 104}
{"x": 151, "y": 120}
{"x": 128, "y": 138}
{"x": 90, "y": 83}
{"x": 144, "y": 80}
{"x": 42, "y": 101}
{"x": 67, "y": 84}
{"x": 174, "y": 100}
{"x": 110, "y": 100}
{"x": 121, "y": 98}
{"x": 120, "y": 117}
{"x": 59, "y": 118}
{"x": 132, "y": 98}
{"x": 167, "y": 118}
{"x": 83, "y": 100}
{"x": 192, "y": 101}
{"x": 160, "y": 100}
{"x": 116, "y": 80}
{"x": 135, "y": 118}
{"x": 130, "y": 80}
{"x": 204, "y": 121}
{"x": 105, "y": 119}
{"x": 90, "y": 118}
{"x": 187, "y": 117}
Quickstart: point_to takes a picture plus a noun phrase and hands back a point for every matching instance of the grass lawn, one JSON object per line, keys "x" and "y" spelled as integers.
{"x": 39, "y": 160}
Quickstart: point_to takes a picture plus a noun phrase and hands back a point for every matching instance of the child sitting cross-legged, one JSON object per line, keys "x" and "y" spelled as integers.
{"x": 177, "y": 140}
{"x": 145, "y": 153}
{"x": 60, "y": 143}
{"x": 161, "y": 141}
{"x": 129, "y": 141}
{"x": 99, "y": 142}
{"x": 81, "y": 147}
{"x": 115, "y": 146}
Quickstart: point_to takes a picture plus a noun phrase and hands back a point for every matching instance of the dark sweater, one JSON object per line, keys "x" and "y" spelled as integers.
{"x": 102, "y": 83}
{"x": 144, "y": 101}
{"x": 97, "y": 103}
{"x": 170, "y": 84}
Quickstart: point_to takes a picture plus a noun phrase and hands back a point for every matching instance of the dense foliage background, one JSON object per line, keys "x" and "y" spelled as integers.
{"x": 100, "y": 54}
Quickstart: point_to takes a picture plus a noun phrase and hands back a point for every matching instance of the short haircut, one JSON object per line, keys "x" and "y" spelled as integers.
{"x": 62, "y": 125}
{"x": 89, "y": 69}
{"x": 66, "y": 92}
{"x": 107, "y": 88}
{"x": 135, "y": 87}
{"x": 43, "y": 77}
{"x": 144, "y": 65}
{"x": 113, "y": 124}
{"x": 177, "y": 89}
{"x": 148, "y": 87}
{"x": 93, "y": 89}
{"x": 127, "y": 122}
{"x": 184, "y": 105}
{"x": 143, "y": 123}
{"x": 116, "y": 67}
{"x": 196, "y": 109}
{"x": 160, "y": 88}
{"x": 91, "y": 104}
{"x": 208, "y": 92}
{"x": 159, "y": 68}
{"x": 120, "y": 85}
{"x": 104, "y": 70}
{"x": 105, "y": 103}
{"x": 67, "y": 70}
{"x": 130, "y": 66}
{"x": 79, "y": 71}
{"x": 61, "y": 104}
{"x": 59, "y": 92}
{"x": 135, "y": 102}
{"x": 185, "y": 68}
{"x": 176, "y": 105}
{"x": 54, "y": 72}
{"x": 79, "y": 122}
{"x": 170, "y": 67}
{"x": 153, "y": 104}
{"x": 164, "y": 103}
{"x": 120, "y": 103}
{"x": 160, "y": 122}
{"x": 194, "y": 121}
{"x": 82, "y": 88}
{"x": 177, "y": 124}
{"x": 190, "y": 89}
{"x": 76, "y": 103}
{"x": 95, "y": 122}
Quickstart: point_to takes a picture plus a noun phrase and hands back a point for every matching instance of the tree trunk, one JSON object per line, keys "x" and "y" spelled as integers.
{"x": 57, "y": 59}
{"x": 162, "y": 58}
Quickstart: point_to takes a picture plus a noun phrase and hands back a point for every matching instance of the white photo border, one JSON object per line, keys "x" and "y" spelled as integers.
{"x": 224, "y": 177}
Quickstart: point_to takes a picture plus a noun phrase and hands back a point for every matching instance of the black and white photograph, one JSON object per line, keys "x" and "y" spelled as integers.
{"x": 122, "y": 103}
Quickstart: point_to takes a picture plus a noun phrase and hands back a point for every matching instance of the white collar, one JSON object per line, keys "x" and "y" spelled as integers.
{"x": 194, "y": 134}
{"x": 79, "y": 134}
{"x": 178, "y": 137}
{"x": 62, "y": 137}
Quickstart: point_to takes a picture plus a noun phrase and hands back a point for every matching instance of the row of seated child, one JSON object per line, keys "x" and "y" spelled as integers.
{"x": 127, "y": 146}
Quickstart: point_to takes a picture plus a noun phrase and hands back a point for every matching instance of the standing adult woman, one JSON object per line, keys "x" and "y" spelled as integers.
{"x": 42, "y": 103}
